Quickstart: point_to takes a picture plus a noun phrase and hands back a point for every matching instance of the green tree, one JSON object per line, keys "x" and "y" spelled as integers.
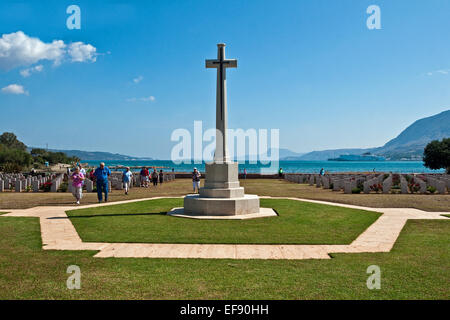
{"x": 13, "y": 160}
{"x": 14, "y": 156}
{"x": 9, "y": 139}
{"x": 436, "y": 155}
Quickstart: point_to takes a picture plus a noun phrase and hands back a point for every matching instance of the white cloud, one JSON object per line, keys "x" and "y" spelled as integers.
{"x": 14, "y": 89}
{"x": 138, "y": 79}
{"x": 144, "y": 99}
{"x": 18, "y": 49}
{"x": 80, "y": 52}
{"x": 150, "y": 98}
{"x": 27, "y": 72}
{"x": 442, "y": 71}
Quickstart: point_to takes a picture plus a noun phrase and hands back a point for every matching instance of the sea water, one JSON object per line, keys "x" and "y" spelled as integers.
{"x": 288, "y": 166}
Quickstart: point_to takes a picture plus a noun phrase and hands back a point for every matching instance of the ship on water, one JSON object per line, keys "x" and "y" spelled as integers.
{"x": 358, "y": 157}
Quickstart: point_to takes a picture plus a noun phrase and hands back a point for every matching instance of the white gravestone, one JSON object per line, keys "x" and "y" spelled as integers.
{"x": 18, "y": 186}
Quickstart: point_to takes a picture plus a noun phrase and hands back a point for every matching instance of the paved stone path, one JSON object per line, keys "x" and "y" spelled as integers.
{"x": 58, "y": 233}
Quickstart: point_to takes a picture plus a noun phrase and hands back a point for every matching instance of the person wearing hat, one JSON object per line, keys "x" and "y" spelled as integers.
{"x": 126, "y": 179}
{"x": 196, "y": 179}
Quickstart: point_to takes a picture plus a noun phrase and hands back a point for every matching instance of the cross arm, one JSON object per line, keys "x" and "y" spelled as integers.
{"x": 231, "y": 63}
{"x": 214, "y": 63}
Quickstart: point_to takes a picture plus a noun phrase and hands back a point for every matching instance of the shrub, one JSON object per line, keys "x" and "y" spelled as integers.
{"x": 63, "y": 187}
{"x": 376, "y": 187}
{"x": 414, "y": 187}
{"x": 360, "y": 185}
{"x": 356, "y": 190}
{"x": 431, "y": 189}
{"x": 396, "y": 179}
{"x": 47, "y": 186}
{"x": 10, "y": 167}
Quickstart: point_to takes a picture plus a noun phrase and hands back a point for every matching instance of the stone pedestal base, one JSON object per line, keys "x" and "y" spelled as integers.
{"x": 263, "y": 213}
{"x": 195, "y": 204}
{"x": 221, "y": 196}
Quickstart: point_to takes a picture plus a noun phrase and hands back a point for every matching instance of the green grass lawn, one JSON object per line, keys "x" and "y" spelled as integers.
{"x": 146, "y": 221}
{"x": 416, "y": 268}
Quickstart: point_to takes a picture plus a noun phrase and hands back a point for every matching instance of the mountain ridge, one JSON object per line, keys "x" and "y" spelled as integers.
{"x": 408, "y": 145}
{"x": 97, "y": 155}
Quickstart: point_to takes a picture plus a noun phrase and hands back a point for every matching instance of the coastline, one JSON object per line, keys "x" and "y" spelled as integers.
{"x": 289, "y": 166}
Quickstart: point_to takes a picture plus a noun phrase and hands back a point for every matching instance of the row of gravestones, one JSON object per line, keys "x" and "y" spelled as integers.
{"x": 441, "y": 184}
{"x": 373, "y": 182}
{"x": 20, "y": 183}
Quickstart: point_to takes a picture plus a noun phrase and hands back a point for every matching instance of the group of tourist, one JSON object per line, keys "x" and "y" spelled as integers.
{"x": 101, "y": 174}
{"x": 146, "y": 176}
{"x": 78, "y": 175}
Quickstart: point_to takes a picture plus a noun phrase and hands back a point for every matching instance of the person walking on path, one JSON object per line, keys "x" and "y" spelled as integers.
{"x": 280, "y": 173}
{"x": 155, "y": 177}
{"x": 161, "y": 176}
{"x": 91, "y": 174}
{"x": 245, "y": 173}
{"x": 77, "y": 184}
{"x": 126, "y": 179}
{"x": 196, "y": 179}
{"x": 101, "y": 174}
{"x": 322, "y": 172}
{"x": 82, "y": 170}
{"x": 144, "y": 177}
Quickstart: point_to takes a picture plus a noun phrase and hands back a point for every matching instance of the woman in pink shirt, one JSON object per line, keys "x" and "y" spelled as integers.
{"x": 77, "y": 184}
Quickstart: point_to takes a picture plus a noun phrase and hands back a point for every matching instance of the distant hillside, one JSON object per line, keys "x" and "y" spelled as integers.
{"x": 409, "y": 144}
{"x": 413, "y": 139}
{"x": 98, "y": 155}
{"x": 285, "y": 154}
{"x": 328, "y": 154}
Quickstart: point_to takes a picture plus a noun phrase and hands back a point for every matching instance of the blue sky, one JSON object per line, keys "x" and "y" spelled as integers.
{"x": 310, "y": 68}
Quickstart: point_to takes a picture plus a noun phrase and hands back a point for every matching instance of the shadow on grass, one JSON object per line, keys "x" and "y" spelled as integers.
{"x": 114, "y": 215}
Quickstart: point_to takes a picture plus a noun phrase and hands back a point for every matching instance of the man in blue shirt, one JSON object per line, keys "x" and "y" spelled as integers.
{"x": 102, "y": 173}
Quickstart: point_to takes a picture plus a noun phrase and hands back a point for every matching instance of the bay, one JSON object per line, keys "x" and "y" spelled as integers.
{"x": 288, "y": 166}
